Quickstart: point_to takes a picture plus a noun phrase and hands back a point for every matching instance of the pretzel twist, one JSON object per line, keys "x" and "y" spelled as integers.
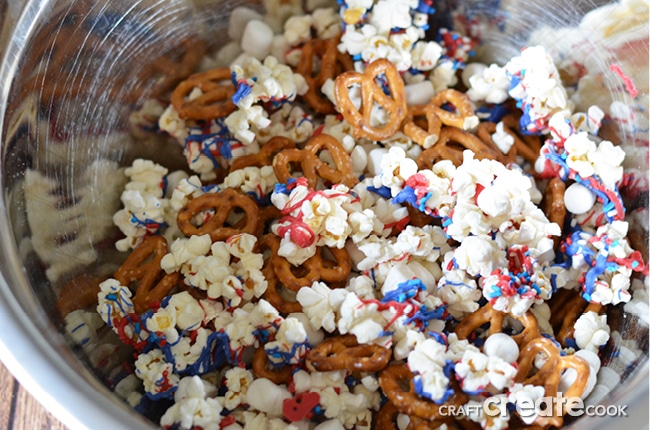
{"x": 488, "y": 315}
{"x": 280, "y": 375}
{"x": 566, "y": 307}
{"x": 424, "y": 137}
{"x": 316, "y": 268}
{"x": 265, "y": 156}
{"x": 462, "y": 117}
{"x": 281, "y": 298}
{"x": 313, "y": 168}
{"x": 345, "y": 353}
{"x": 171, "y": 67}
{"x": 445, "y": 150}
{"x": 222, "y": 204}
{"x": 214, "y": 102}
{"x": 332, "y": 63}
{"x": 142, "y": 266}
{"x": 527, "y": 146}
{"x": 371, "y": 94}
{"x": 550, "y": 374}
{"x": 394, "y": 377}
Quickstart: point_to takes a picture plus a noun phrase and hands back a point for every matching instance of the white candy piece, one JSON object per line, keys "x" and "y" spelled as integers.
{"x": 238, "y": 19}
{"x": 267, "y": 397}
{"x": 591, "y": 358}
{"x": 257, "y": 39}
{"x": 396, "y": 275}
{"x": 419, "y": 94}
{"x": 578, "y": 199}
{"x": 374, "y": 160}
{"x": 332, "y": 424}
{"x": 314, "y": 337}
{"x": 470, "y": 70}
{"x": 501, "y": 345}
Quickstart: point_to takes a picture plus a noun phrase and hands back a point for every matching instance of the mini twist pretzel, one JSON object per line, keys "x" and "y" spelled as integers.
{"x": 527, "y": 146}
{"x": 463, "y": 118}
{"x": 345, "y": 353}
{"x": 550, "y": 374}
{"x": 213, "y": 103}
{"x": 222, "y": 203}
{"x": 444, "y": 150}
{"x": 266, "y": 154}
{"x": 553, "y": 205}
{"x": 312, "y": 166}
{"x": 332, "y": 64}
{"x": 278, "y": 376}
{"x": 172, "y": 66}
{"x": 436, "y": 116}
{"x": 78, "y": 293}
{"x": 372, "y": 93}
{"x": 425, "y": 138}
{"x": 487, "y": 314}
{"x": 392, "y": 381}
{"x": 566, "y": 307}
{"x": 142, "y": 266}
{"x": 316, "y": 268}
{"x": 275, "y": 293}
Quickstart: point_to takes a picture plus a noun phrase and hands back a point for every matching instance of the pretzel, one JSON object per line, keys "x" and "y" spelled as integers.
{"x": 79, "y": 293}
{"x": 394, "y": 377}
{"x": 372, "y": 93}
{"x": 553, "y": 204}
{"x": 279, "y": 375}
{"x": 426, "y": 138}
{"x": 214, "y": 102}
{"x": 443, "y": 150}
{"x": 462, "y": 118}
{"x": 566, "y": 307}
{"x": 550, "y": 373}
{"x": 488, "y": 315}
{"x": 266, "y": 154}
{"x": 385, "y": 418}
{"x": 172, "y": 66}
{"x": 222, "y": 203}
{"x": 283, "y": 299}
{"x": 313, "y": 168}
{"x": 142, "y": 267}
{"x": 344, "y": 353}
{"x": 333, "y": 62}
{"x": 527, "y": 146}
{"x": 275, "y": 293}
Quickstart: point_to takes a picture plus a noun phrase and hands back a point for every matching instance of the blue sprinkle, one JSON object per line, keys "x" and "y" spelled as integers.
{"x": 382, "y": 191}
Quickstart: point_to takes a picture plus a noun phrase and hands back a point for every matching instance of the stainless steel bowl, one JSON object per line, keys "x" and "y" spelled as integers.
{"x": 70, "y": 76}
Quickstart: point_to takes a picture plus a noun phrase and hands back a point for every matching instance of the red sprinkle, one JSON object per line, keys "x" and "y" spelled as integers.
{"x": 300, "y": 233}
{"x": 629, "y": 85}
{"x": 300, "y": 406}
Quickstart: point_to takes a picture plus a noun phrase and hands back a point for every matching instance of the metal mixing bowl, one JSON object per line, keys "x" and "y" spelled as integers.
{"x": 70, "y": 75}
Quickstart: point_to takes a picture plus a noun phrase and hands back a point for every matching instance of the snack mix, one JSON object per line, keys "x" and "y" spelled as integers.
{"x": 372, "y": 226}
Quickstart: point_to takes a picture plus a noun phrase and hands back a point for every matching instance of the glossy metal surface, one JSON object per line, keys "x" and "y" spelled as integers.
{"x": 71, "y": 74}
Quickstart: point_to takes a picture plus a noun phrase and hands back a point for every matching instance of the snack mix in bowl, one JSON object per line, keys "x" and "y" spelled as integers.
{"x": 359, "y": 225}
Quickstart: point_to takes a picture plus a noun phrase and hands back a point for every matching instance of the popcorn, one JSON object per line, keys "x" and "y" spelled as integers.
{"x": 489, "y": 84}
{"x": 536, "y": 84}
{"x": 427, "y": 360}
{"x": 479, "y": 372}
{"x": 156, "y": 373}
{"x": 193, "y": 407}
{"x": 320, "y": 304}
{"x": 290, "y": 345}
{"x": 238, "y": 381}
{"x": 591, "y": 331}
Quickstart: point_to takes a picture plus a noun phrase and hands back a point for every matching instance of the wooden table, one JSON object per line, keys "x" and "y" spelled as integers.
{"x": 19, "y": 410}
